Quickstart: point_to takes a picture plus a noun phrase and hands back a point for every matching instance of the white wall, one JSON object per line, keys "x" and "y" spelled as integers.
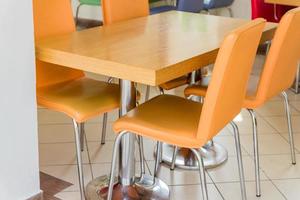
{"x": 241, "y": 9}
{"x": 19, "y": 172}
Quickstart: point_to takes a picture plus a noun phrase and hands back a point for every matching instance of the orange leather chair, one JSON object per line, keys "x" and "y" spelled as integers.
{"x": 68, "y": 90}
{"x": 277, "y": 76}
{"x": 185, "y": 123}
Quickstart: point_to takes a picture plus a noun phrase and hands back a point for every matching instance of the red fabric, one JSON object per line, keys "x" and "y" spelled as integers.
{"x": 268, "y": 11}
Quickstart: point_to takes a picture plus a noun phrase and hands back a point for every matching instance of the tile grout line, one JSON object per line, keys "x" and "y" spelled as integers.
{"x": 215, "y": 185}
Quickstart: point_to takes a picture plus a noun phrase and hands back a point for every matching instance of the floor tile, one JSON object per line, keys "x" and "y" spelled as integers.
{"x": 274, "y": 108}
{"x": 228, "y": 143}
{"x": 279, "y": 166}
{"x": 68, "y": 195}
{"x": 232, "y": 191}
{"x": 245, "y": 126}
{"x": 193, "y": 192}
{"x": 289, "y": 188}
{"x": 100, "y": 153}
{"x": 46, "y": 116}
{"x": 280, "y": 123}
{"x": 296, "y": 139}
{"x": 59, "y": 154}
{"x": 267, "y": 144}
{"x": 228, "y": 172}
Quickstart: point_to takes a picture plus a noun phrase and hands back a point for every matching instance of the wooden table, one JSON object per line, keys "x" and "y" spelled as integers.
{"x": 284, "y": 2}
{"x": 149, "y": 50}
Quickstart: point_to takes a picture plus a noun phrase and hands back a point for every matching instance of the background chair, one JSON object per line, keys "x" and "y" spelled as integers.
{"x": 88, "y": 3}
{"x": 190, "y": 124}
{"x": 277, "y": 76}
{"x": 214, "y": 4}
{"x": 64, "y": 89}
{"x": 194, "y": 6}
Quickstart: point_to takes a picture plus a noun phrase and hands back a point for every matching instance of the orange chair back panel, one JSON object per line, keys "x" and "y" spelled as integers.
{"x": 227, "y": 89}
{"x": 119, "y": 10}
{"x": 281, "y": 64}
{"x": 53, "y": 17}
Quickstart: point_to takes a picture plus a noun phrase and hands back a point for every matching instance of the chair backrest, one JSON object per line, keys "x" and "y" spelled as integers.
{"x": 53, "y": 17}
{"x": 281, "y": 64}
{"x": 227, "y": 89}
{"x": 119, "y": 10}
{"x": 194, "y": 6}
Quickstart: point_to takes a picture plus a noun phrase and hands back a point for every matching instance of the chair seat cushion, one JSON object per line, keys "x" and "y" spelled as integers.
{"x": 161, "y": 9}
{"x": 165, "y": 118}
{"x": 213, "y": 4}
{"x": 81, "y": 99}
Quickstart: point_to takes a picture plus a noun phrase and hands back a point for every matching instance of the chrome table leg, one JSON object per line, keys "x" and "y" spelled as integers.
{"x": 213, "y": 155}
{"x": 127, "y": 186}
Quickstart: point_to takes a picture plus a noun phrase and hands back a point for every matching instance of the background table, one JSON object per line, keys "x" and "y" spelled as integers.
{"x": 149, "y": 50}
{"x": 284, "y": 2}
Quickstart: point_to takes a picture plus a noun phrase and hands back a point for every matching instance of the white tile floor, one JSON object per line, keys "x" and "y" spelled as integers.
{"x": 280, "y": 179}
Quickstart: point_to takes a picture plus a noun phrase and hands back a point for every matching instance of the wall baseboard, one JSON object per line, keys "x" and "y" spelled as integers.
{"x": 38, "y": 196}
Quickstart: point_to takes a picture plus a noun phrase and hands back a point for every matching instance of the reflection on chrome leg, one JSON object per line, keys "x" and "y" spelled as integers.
{"x": 289, "y": 122}
{"x": 256, "y": 152}
{"x": 104, "y": 124}
{"x": 79, "y": 158}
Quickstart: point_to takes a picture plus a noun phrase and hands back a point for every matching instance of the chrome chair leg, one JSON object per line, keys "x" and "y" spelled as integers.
{"x": 157, "y": 160}
{"x": 147, "y": 96}
{"x": 297, "y": 80}
{"x": 202, "y": 174}
{"x": 230, "y": 11}
{"x": 291, "y": 136}
{"x": 160, "y": 152}
{"x": 113, "y": 164}
{"x": 104, "y": 124}
{"x": 161, "y": 91}
{"x": 77, "y": 13}
{"x": 82, "y": 136}
{"x": 79, "y": 159}
{"x": 239, "y": 159}
{"x": 174, "y": 157}
{"x": 141, "y": 151}
{"x": 256, "y": 152}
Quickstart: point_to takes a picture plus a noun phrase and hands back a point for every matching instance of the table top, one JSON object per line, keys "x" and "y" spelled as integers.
{"x": 149, "y": 50}
{"x": 284, "y": 2}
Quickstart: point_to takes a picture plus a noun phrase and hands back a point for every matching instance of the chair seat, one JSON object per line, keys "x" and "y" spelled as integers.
{"x": 80, "y": 99}
{"x": 166, "y": 118}
{"x": 161, "y": 9}
{"x": 213, "y": 4}
{"x": 250, "y": 102}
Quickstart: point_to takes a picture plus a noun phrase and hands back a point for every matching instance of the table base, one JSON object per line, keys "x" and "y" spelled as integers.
{"x": 213, "y": 156}
{"x": 143, "y": 188}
